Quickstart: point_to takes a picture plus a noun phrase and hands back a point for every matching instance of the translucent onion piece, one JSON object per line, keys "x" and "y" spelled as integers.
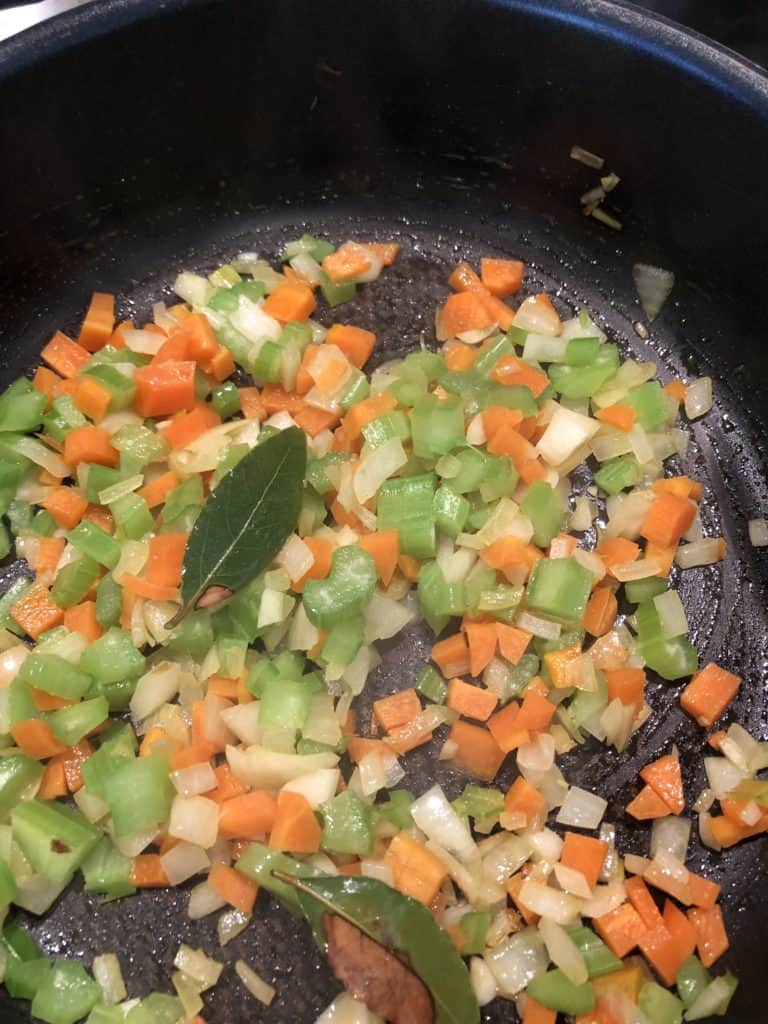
{"x": 572, "y": 881}
{"x": 582, "y": 809}
{"x": 194, "y": 819}
{"x": 758, "y": 532}
{"x": 563, "y": 952}
{"x": 700, "y": 552}
{"x": 203, "y": 900}
{"x": 256, "y": 985}
{"x": 672, "y": 835}
{"x": 156, "y": 687}
{"x": 183, "y": 861}
{"x": 653, "y": 287}
{"x": 435, "y": 816}
{"x": 515, "y": 963}
{"x": 539, "y": 627}
{"x": 482, "y": 980}
{"x": 107, "y": 973}
{"x": 196, "y": 779}
{"x": 540, "y": 899}
{"x": 231, "y": 924}
{"x": 698, "y": 398}
{"x": 199, "y": 966}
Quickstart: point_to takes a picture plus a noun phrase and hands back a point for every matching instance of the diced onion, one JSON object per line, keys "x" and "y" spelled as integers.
{"x": 547, "y": 902}
{"x": 581, "y": 517}
{"x": 582, "y": 809}
{"x": 384, "y": 618}
{"x": 653, "y": 286}
{"x": 700, "y": 552}
{"x": 307, "y": 266}
{"x": 295, "y": 557}
{"x": 183, "y": 861}
{"x": 145, "y": 343}
{"x": 193, "y": 288}
{"x": 536, "y": 757}
{"x": 605, "y": 898}
{"x": 641, "y": 569}
{"x": 636, "y": 865}
{"x": 758, "y": 532}
{"x": 706, "y": 834}
{"x": 671, "y": 614}
{"x": 538, "y": 627}
{"x": 231, "y": 924}
{"x": 258, "y": 988}
{"x": 572, "y": 881}
{"x": 155, "y": 688}
{"x": 199, "y": 966}
{"x": 566, "y": 432}
{"x": 435, "y": 816}
{"x": 194, "y": 819}
{"x": 203, "y": 900}
{"x": 262, "y": 768}
{"x": 243, "y": 720}
{"x": 543, "y": 348}
{"x": 713, "y": 1000}
{"x": 482, "y": 980}
{"x": 516, "y": 963}
{"x": 545, "y": 845}
{"x": 723, "y": 776}
{"x": 563, "y": 952}
{"x": 672, "y": 835}
{"x": 538, "y": 317}
{"x": 195, "y": 779}
{"x": 106, "y": 972}
{"x": 476, "y": 431}
{"x": 346, "y": 1010}
{"x": 38, "y": 453}
{"x": 698, "y": 398}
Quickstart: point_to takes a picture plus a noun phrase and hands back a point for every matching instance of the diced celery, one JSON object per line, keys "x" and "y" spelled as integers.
{"x": 559, "y": 588}
{"x": 54, "y": 675}
{"x": 54, "y": 838}
{"x": 66, "y": 995}
{"x": 554, "y": 990}
{"x": 107, "y": 871}
{"x": 72, "y": 723}
{"x": 439, "y": 600}
{"x": 405, "y": 504}
{"x": 437, "y": 425}
{"x": 636, "y": 591}
{"x": 650, "y": 403}
{"x": 474, "y": 927}
{"x": 598, "y": 958}
{"x": 336, "y": 294}
{"x": 343, "y": 642}
{"x": 479, "y": 802}
{"x": 193, "y": 635}
{"x": 347, "y": 824}
{"x": 188, "y": 493}
{"x": 659, "y": 1005}
{"x": 431, "y": 685}
{"x": 74, "y": 580}
{"x": 345, "y": 591}
{"x": 544, "y": 508}
{"x": 109, "y": 601}
{"x": 96, "y": 543}
{"x": 113, "y": 657}
{"x": 121, "y": 388}
{"x": 18, "y": 773}
{"x": 386, "y": 427}
{"x": 259, "y": 862}
{"x": 397, "y": 810}
{"x": 139, "y": 794}
{"x": 617, "y": 474}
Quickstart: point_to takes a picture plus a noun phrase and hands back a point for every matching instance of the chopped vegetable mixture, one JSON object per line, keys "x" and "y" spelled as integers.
{"x": 209, "y": 566}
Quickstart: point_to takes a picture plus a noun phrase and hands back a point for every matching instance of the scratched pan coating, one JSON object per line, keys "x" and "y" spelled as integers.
{"x": 387, "y": 140}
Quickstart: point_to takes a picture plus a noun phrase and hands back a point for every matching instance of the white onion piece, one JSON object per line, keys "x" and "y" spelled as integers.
{"x": 672, "y": 835}
{"x": 194, "y": 780}
{"x": 243, "y": 721}
{"x": 145, "y": 343}
{"x": 758, "y": 532}
{"x": 581, "y": 517}
{"x": 636, "y": 865}
{"x": 251, "y": 320}
{"x": 184, "y": 861}
{"x": 193, "y": 288}
{"x": 671, "y": 614}
{"x": 543, "y": 348}
{"x": 723, "y": 776}
{"x": 516, "y": 963}
{"x": 384, "y": 618}
{"x": 641, "y": 569}
{"x": 703, "y": 801}
{"x": 653, "y": 286}
{"x": 109, "y": 977}
{"x": 700, "y": 552}
{"x": 346, "y": 1010}
{"x": 536, "y": 757}
{"x": 572, "y": 881}
{"x": 38, "y": 453}
{"x": 194, "y": 819}
{"x": 256, "y": 985}
{"x": 566, "y": 432}
{"x": 538, "y": 317}
{"x": 712, "y": 1000}
{"x": 582, "y": 809}
{"x": 605, "y": 898}
{"x": 706, "y": 834}
{"x": 262, "y": 768}
{"x": 307, "y": 266}
{"x": 203, "y": 900}
{"x": 156, "y": 687}
{"x": 476, "y": 431}
{"x": 505, "y": 858}
{"x": 545, "y": 845}
{"x": 295, "y": 557}
{"x": 563, "y": 952}
{"x": 482, "y": 980}
{"x": 698, "y": 398}
{"x": 11, "y": 661}
{"x": 437, "y": 819}
{"x": 542, "y": 628}
{"x": 231, "y": 924}
{"x": 541, "y": 899}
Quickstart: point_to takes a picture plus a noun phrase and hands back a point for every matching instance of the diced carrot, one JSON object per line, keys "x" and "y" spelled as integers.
{"x": 165, "y": 388}
{"x": 502, "y": 278}
{"x": 512, "y": 370}
{"x": 233, "y": 887}
{"x": 452, "y": 655}
{"x": 667, "y": 519}
{"x": 682, "y": 486}
{"x": 533, "y": 1012}
{"x": 531, "y": 470}
{"x": 89, "y": 444}
{"x": 350, "y": 261}
{"x": 322, "y": 550}
{"x": 166, "y": 557}
{"x": 663, "y": 555}
{"x": 221, "y": 364}
{"x": 507, "y": 552}
{"x": 36, "y": 738}
{"x": 664, "y": 777}
{"x": 220, "y": 686}
{"x": 704, "y": 893}
{"x": 471, "y": 701}
{"x": 416, "y": 871}
{"x": 620, "y": 929}
{"x": 228, "y": 786}
{"x": 562, "y": 546}
{"x": 65, "y": 356}
{"x": 117, "y": 338}
{"x": 99, "y": 322}
{"x": 81, "y": 618}
{"x": 462, "y": 311}
{"x": 313, "y": 421}
{"x": 48, "y": 701}
{"x": 147, "y": 872}
{"x": 144, "y": 588}
{"x": 126, "y": 609}
{"x": 54, "y": 781}
{"x": 101, "y": 516}
{"x": 157, "y": 490}
{"x": 640, "y": 897}
{"x": 716, "y": 739}
{"x": 249, "y": 816}
{"x": 343, "y": 517}
{"x": 584, "y": 854}
{"x": 154, "y": 736}
{"x": 196, "y": 753}
{"x": 709, "y": 693}
{"x": 251, "y": 404}
{"x": 73, "y": 762}
{"x": 363, "y": 413}
{"x": 504, "y": 729}
{"x": 507, "y": 440}
{"x": 410, "y": 567}
{"x": 304, "y": 379}
{"x": 620, "y": 416}
{"x": 296, "y": 828}
{"x": 397, "y": 709}
{"x": 514, "y": 885}
{"x": 535, "y": 712}
{"x": 711, "y": 937}
{"x": 275, "y": 398}
{"x": 386, "y": 252}
{"x": 290, "y": 302}
{"x": 676, "y": 389}
{"x": 626, "y": 684}
{"x": 384, "y": 549}
{"x": 458, "y": 356}
{"x": 728, "y": 832}
{"x": 67, "y": 506}
{"x": 192, "y": 339}
{"x": 46, "y": 382}
{"x": 617, "y": 551}
{"x": 524, "y": 798}
{"x": 562, "y": 664}
{"x": 498, "y": 417}
{"x": 464, "y": 279}
{"x": 186, "y": 427}
{"x": 601, "y": 612}
{"x": 648, "y": 804}
{"x": 356, "y": 343}
{"x": 91, "y": 398}
{"x": 513, "y": 642}
{"x": 477, "y": 752}
{"x": 359, "y": 746}
{"x": 35, "y": 612}
{"x": 49, "y": 551}
{"x": 666, "y": 948}
{"x": 481, "y": 639}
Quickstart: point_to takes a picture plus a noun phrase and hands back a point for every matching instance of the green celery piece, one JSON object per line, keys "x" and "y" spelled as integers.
{"x": 226, "y": 399}
{"x": 386, "y": 427}
{"x": 18, "y": 773}
{"x": 132, "y": 516}
{"x": 157, "y": 1008}
{"x": 231, "y": 651}
{"x": 430, "y": 364}
{"x": 19, "y": 516}
{"x": 226, "y": 299}
{"x": 312, "y": 513}
{"x": 54, "y": 838}
{"x": 109, "y": 602}
{"x": 582, "y": 351}
{"x": 345, "y": 591}
{"x": 70, "y": 724}
{"x": 648, "y": 621}
{"x": 450, "y": 511}
{"x": 432, "y": 686}
{"x": 343, "y": 642}
{"x": 500, "y": 478}
{"x": 55, "y": 675}
{"x": 474, "y": 927}
{"x": 122, "y": 389}
{"x": 188, "y": 493}
{"x": 5, "y": 541}
{"x": 118, "y": 744}
{"x": 113, "y": 657}
{"x": 266, "y": 365}
{"x": 19, "y": 944}
{"x": 101, "y": 1014}
{"x": 139, "y": 794}
{"x": 405, "y": 504}
{"x": 438, "y": 599}
{"x": 317, "y": 248}
{"x": 511, "y": 396}
{"x": 315, "y": 747}
{"x": 21, "y": 412}
{"x": 544, "y": 508}
{"x": 637, "y": 591}
{"x": 598, "y": 957}
{"x": 347, "y": 824}
{"x": 194, "y": 634}
{"x": 437, "y": 425}
{"x": 290, "y": 664}
{"x": 335, "y": 294}
{"x": 650, "y": 403}
{"x": 356, "y": 390}
{"x": 502, "y": 602}
{"x": 617, "y": 474}
{"x": 588, "y": 703}
{"x": 91, "y": 540}
{"x": 472, "y": 464}
{"x": 480, "y": 579}
{"x": 67, "y": 994}
{"x": 297, "y": 334}
{"x": 692, "y": 979}
{"x": 138, "y": 441}
{"x": 7, "y": 885}
{"x": 99, "y": 479}
{"x": 520, "y": 675}
{"x": 258, "y": 863}
{"x": 118, "y": 695}
{"x": 559, "y": 588}
{"x": 554, "y": 990}
{"x": 659, "y": 1005}
{"x": 12, "y": 468}
{"x": 107, "y": 871}
{"x": 14, "y": 593}
{"x": 23, "y": 978}
{"x": 20, "y": 703}
{"x": 74, "y": 580}
{"x": 671, "y": 659}
{"x": 486, "y": 362}
{"x": 259, "y": 675}
{"x": 43, "y": 523}
{"x": 316, "y": 475}
{"x": 285, "y": 704}
{"x": 397, "y": 810}
{"x": 479, "y": 802}
{"x": 183, "y": 522}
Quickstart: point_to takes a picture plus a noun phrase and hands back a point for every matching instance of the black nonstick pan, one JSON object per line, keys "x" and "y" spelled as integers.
{"x": 139, "y": 137}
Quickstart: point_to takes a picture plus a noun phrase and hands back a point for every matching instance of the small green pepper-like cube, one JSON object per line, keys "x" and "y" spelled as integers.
{"x": 559, "y": 588}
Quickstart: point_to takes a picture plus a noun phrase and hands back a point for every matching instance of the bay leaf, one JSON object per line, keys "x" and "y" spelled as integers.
{"x": 402, "y": 926}
{"x": 244, "y": 522}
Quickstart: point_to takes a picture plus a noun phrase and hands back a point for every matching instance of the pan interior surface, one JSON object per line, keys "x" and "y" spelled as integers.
{"x": 453, "y": 172}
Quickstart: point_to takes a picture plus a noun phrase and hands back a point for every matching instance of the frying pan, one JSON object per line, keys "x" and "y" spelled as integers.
{"x": 143, "y": 136}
